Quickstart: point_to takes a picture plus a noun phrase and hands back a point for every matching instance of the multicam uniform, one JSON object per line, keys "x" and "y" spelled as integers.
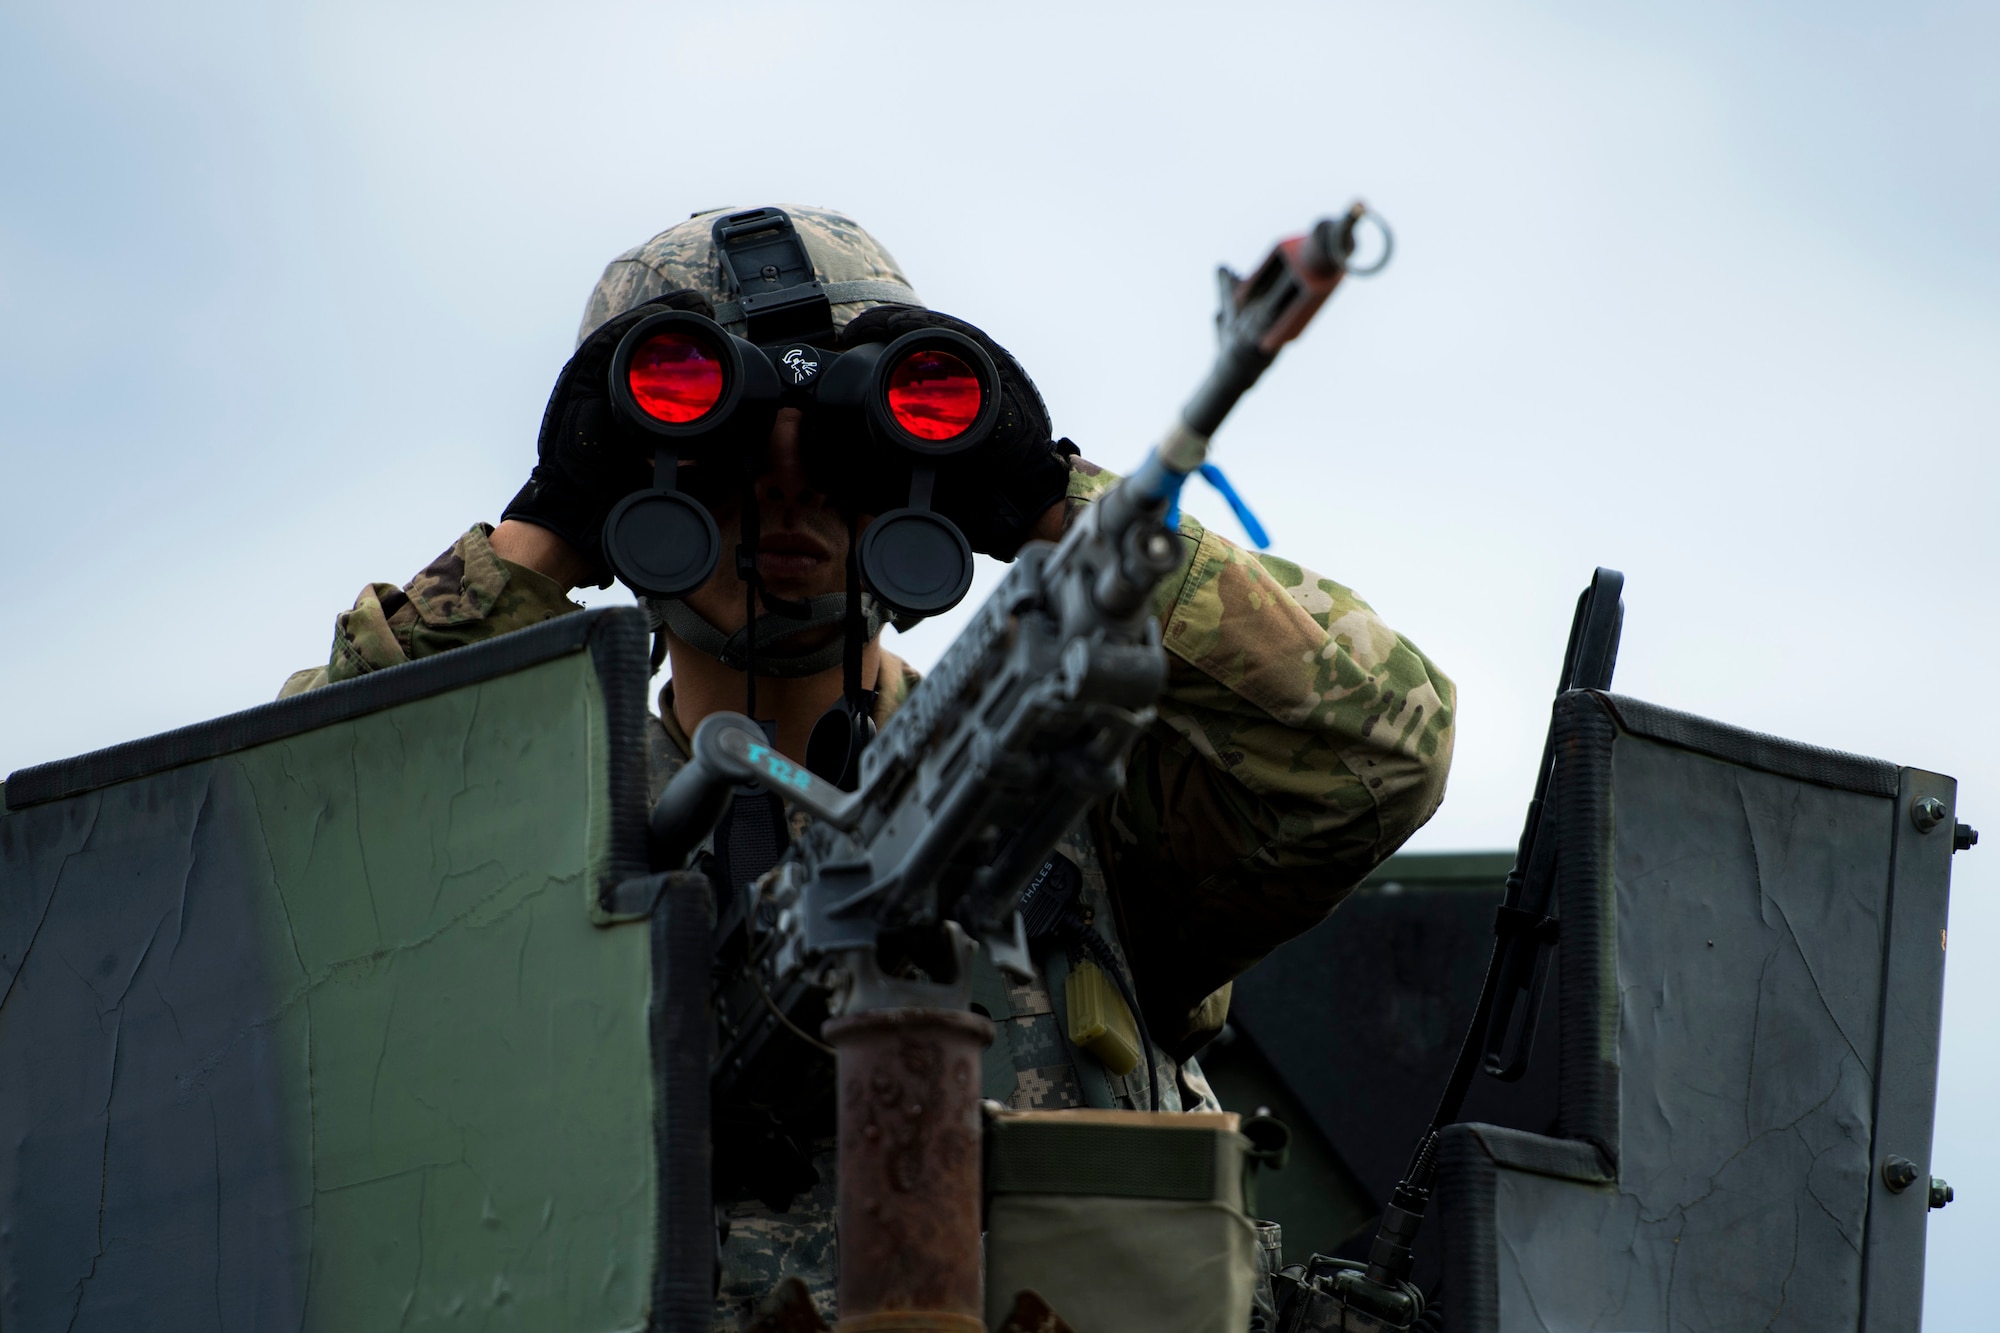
{"x": 1299, "y": 741}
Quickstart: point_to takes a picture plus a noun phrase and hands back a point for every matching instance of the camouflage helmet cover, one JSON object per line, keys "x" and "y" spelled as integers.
{"x": 856, "y": 271}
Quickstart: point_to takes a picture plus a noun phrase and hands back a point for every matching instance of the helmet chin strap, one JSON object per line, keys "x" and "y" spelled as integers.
{"x": 833, "y": 750}
{"x": 732, "y": 650}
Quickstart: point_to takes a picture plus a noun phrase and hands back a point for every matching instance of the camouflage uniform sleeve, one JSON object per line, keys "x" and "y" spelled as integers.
{"x": 466, "y": 595}
{"x": 1300, "y": 741}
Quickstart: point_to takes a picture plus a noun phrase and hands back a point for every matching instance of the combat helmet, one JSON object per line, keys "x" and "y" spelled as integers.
{"x": 852, "y": 266}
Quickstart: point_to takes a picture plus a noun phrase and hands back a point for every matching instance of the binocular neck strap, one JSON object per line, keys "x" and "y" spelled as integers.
{"x": 855, "y": 631}
{"x": 732, "y": 650}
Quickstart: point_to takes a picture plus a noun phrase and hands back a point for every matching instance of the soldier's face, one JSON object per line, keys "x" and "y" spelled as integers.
{"x": 802, "y": 542}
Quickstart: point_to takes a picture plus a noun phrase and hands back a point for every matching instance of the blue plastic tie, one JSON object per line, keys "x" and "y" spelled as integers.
{"x": 1213, "y": 474}
{"x": 1174, "y": 503}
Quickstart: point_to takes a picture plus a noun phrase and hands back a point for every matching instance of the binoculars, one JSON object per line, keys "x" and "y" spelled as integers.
{"x": 702, "y": 393}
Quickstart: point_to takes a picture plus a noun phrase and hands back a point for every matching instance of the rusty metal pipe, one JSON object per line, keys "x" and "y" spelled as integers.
{"x": 909, "y": 1169}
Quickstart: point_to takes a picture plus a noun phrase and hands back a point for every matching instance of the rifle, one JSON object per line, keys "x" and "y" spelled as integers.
{"x": 1501, "y": 1035}
{"x": 873, "y": 914}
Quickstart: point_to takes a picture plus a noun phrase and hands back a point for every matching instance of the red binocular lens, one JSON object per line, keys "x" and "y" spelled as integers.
{"x": 934, "y": 395}
{"x": 680, "y": 376}
{"x": 675, "y": 376}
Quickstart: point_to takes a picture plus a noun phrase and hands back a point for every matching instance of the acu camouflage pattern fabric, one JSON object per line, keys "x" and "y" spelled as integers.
{"x": 684, "y": 256}
{"x": 1299, "y": 742}
{"x": 764, "y": 1248}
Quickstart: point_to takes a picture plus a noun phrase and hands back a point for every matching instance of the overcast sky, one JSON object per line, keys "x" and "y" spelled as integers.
{"x": 1706, "y": 292}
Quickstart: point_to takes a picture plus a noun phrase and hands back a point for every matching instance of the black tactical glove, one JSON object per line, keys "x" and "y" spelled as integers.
{"x": 589, "y": 459}
{"x": 996, "y": 491}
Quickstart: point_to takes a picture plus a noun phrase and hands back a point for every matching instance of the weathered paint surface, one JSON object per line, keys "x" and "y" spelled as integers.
{"x": 319, "y": 1035}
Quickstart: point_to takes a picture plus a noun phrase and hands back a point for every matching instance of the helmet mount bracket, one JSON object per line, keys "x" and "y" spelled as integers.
{"x": 766, "y": 262}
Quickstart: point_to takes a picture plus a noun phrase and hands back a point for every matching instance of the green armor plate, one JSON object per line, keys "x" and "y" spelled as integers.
{"x": 308, "y": 1020}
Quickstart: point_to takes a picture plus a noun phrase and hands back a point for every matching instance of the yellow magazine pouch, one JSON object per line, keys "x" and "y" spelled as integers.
{"x": 1099, "y": 1020}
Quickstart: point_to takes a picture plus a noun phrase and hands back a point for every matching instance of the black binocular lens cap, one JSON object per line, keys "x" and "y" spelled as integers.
{"x": 833, "y": 750}
{"x": 916, "y": 561}
{"x": 661, "y": 543}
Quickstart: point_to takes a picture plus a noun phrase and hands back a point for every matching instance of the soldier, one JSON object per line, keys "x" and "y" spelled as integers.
{"x": 1298, "y": 743}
